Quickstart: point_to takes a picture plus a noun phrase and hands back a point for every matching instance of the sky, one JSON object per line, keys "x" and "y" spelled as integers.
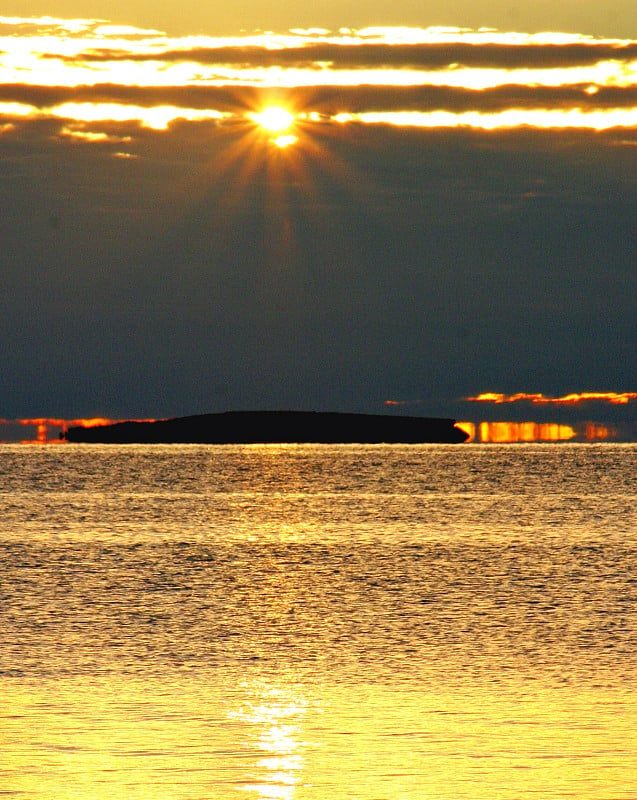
{"x": 442, "y": 204}
{"x": 612, "y": 18}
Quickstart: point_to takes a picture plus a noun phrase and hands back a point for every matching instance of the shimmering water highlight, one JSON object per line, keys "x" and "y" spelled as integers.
{"x": 302, "y": 622}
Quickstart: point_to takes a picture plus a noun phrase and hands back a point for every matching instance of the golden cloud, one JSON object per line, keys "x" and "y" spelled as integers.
{"x": 432, "y": 77}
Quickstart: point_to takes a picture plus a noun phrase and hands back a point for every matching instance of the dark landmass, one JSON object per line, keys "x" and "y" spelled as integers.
{"x": 275, "y": 427}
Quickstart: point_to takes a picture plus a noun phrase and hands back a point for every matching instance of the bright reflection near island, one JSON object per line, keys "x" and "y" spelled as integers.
{"x": 274, "y": 720}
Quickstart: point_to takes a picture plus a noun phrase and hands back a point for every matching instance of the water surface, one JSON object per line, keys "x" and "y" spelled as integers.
{"x": 301, "y": 622}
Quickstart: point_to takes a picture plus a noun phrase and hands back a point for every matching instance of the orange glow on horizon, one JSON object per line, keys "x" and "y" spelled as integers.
{"x": 42, "y": 425}
{"x": 496, "y": 432}
{"x": 512, "y": 432}
{"x": 90, "y": 422}
{"x": 595, "y": 432}
{"x": 525, "y": 432}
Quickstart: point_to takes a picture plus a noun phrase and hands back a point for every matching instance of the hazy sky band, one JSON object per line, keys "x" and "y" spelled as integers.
{"x": 55, "y": 68}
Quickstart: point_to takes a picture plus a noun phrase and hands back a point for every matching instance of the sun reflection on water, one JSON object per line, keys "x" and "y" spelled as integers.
{"x": 447, "y": 623}
{"x": 274, "y": 720}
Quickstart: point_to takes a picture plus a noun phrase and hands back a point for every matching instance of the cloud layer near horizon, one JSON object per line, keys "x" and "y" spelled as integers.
{"x": 62, "y": 68}
{"x": 445, "y": 223}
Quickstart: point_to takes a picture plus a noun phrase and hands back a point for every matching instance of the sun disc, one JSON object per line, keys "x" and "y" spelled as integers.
{"x": 274, "y": 119}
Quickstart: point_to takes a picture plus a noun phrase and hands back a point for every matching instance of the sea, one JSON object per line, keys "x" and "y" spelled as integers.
{"x": 318, "y": 622}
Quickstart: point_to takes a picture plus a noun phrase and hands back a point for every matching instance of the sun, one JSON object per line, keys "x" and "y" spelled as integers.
{"x": 274, "y": 119}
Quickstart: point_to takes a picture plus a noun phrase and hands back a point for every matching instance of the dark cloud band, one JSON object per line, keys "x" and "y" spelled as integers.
{"x": 330, "y": 99}
{"x": 378, "y": 56}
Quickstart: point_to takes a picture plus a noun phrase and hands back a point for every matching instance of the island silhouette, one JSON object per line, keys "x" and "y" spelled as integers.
{"x": 275, "y": 427}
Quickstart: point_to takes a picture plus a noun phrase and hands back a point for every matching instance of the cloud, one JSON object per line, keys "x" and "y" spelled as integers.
{"x": 156, "y": 268}
{"x": 426, "y": 265}
{"x": 58, "y": 66}
{"x": 433, "y": 55}
{"x": 574, "y": 398}
{"x": 329, "y": 99}
{"x": 201, "y": 97}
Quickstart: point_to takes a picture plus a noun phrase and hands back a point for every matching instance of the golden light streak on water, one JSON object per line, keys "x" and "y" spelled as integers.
{"x": 438, "y": 622}
{"x": 372, "y": 738}
{"x": 274, "y": 720}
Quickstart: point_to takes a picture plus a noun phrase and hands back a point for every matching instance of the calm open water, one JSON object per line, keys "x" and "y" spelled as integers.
{"x": 313, "y": 622}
